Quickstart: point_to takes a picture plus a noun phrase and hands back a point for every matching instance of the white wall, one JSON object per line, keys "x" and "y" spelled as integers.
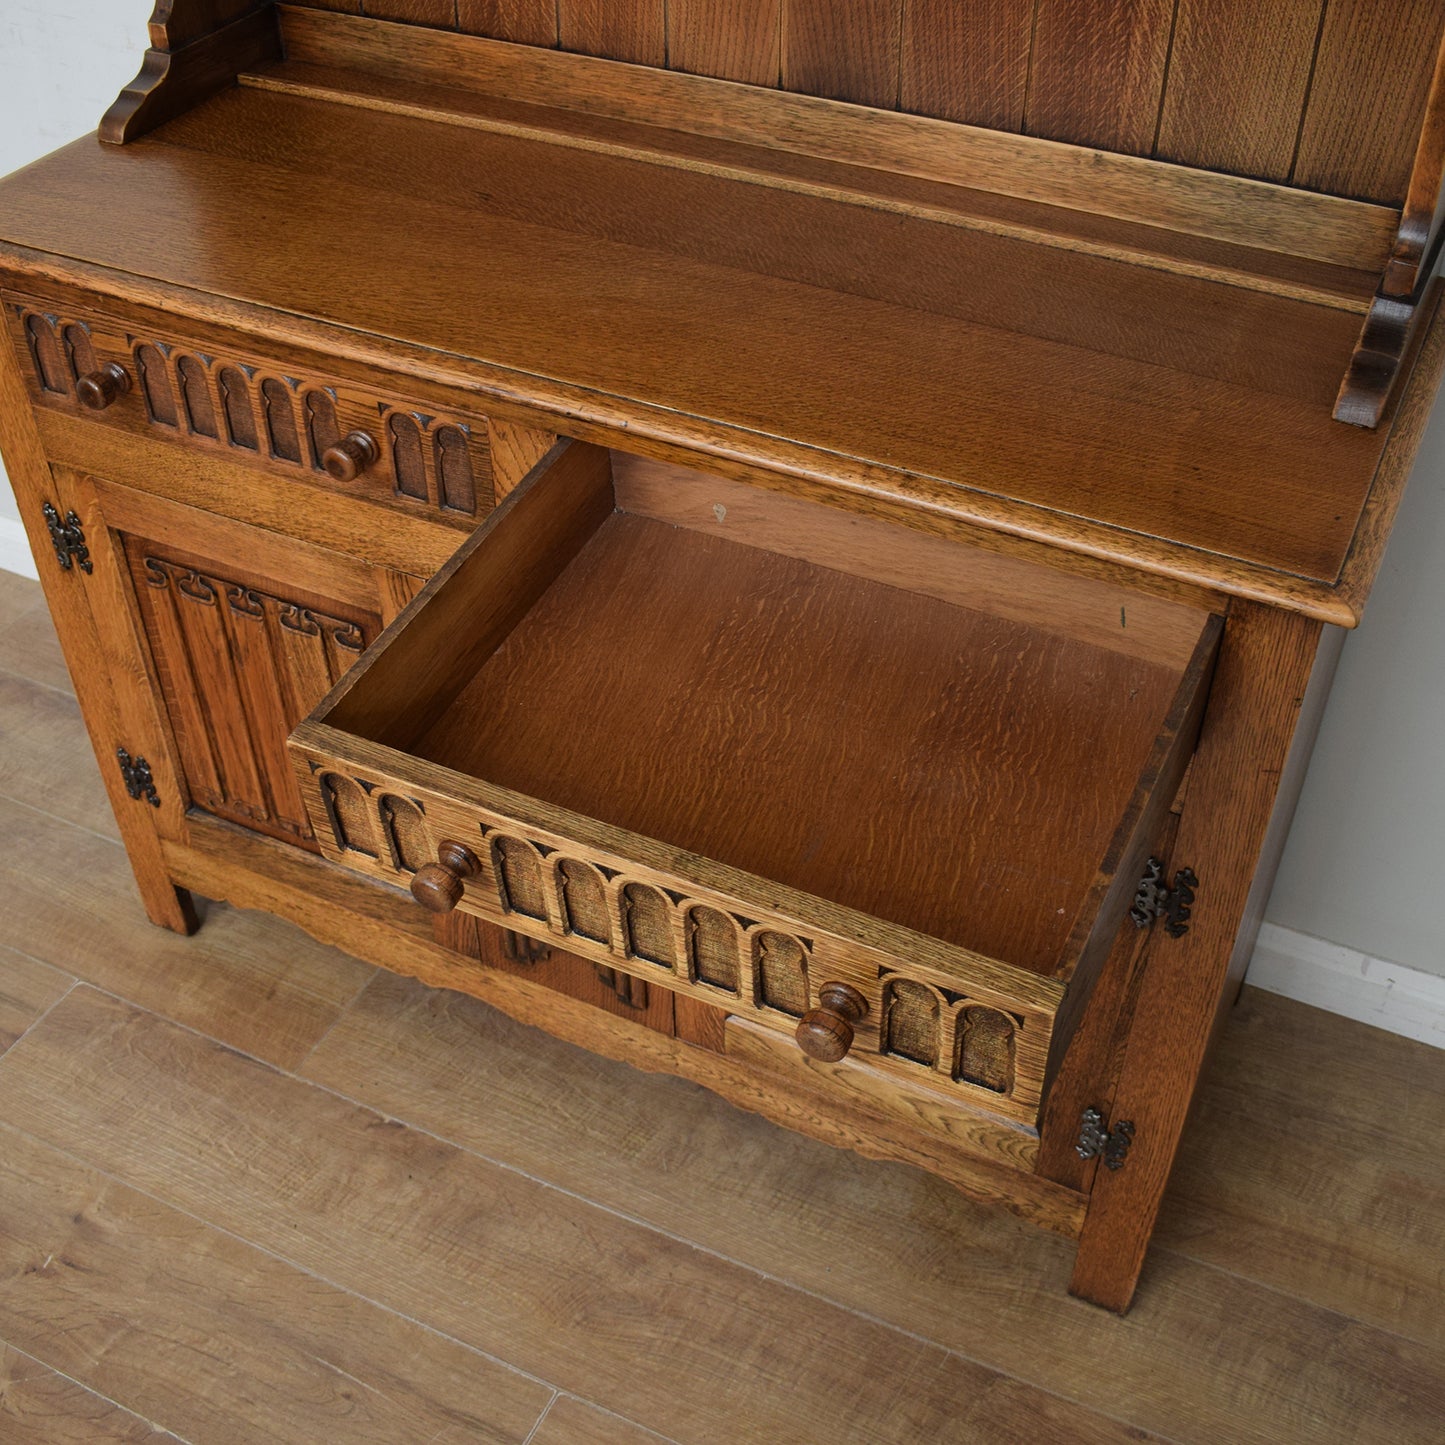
{"x": 1360, "y": 868}
{"x": 62, "y": 62}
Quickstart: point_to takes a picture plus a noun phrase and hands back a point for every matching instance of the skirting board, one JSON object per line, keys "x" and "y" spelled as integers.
{"x": 15, "y": 549}
{"x": 1344, "y": 981}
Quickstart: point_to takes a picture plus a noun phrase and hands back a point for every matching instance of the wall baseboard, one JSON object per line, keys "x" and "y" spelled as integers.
{"x": 1344, "y": 981}
{"x": 15, "y": 549}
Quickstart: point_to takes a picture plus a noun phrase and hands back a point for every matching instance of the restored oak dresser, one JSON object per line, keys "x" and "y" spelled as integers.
{"x": 795, "y": 543}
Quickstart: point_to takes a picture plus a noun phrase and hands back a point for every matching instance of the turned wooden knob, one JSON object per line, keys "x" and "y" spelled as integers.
{"x": 351, "y": 456}
{"x": 826, "y": 1032}
{"x": 439, "y": 886}
{"x": 97, "y": 389}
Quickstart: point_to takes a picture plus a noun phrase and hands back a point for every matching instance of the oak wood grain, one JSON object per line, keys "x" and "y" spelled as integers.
{"x": 329, "y": 1178}
{"x": 630, "y": 30}
{"x": 729, "y": 39}
{"x": 1128, "y": 466}
{"x": 331, "y": 905}
{"x": 187, "y": 1325}
{"x": 110, "y": 713}
{"x": 843, "y": 52}
{"x": 717, "y": 633}
{"x": 38, "y": 1406}
{"x": 1264, "y": 667}
{"x": 1127, "y": 40}
{"x": 526, "y": 22}
{"x": 1238, "y": 79}
{"x": 967, "y": 63}
{"x": 1174, "y": 197}
{"x": 1367, "y": 99}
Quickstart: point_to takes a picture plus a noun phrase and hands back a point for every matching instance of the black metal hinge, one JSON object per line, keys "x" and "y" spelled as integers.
{"x": 68, "y": 538}
{"x": 1096, "y": 1141}
{"x": 1155, "y": 900}
{"x": 138, "y": 781}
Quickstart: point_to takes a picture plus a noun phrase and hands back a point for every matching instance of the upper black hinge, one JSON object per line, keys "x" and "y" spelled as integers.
{"x": 1155, "y": 900}
{"x": 1096, "y": 1141}
{"x": 138, "y": 781}
{"x": 68, "y": 538}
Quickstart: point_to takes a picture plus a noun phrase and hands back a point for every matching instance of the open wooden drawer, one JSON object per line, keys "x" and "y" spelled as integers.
{"x": 783, "y": 757}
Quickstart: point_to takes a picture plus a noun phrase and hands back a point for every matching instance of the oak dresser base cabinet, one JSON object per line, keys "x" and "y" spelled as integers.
{"x": 761, "y": 557}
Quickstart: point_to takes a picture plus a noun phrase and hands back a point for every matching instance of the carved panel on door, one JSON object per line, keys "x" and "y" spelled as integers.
{"x": 240, "y": 663}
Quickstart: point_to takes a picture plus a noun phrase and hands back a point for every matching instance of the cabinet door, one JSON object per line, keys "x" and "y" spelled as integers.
{"x": 244, "y": 631}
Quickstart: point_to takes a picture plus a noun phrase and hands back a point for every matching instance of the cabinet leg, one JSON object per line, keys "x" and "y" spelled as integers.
{"x": 170, "y": 907}
{"x": 1263, "y": 674}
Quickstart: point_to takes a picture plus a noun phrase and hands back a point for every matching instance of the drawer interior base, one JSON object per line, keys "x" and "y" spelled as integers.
{"x": 884, "y": 748}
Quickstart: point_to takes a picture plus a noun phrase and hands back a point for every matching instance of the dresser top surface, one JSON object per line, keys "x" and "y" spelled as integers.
{"x": 1067, "y": 388}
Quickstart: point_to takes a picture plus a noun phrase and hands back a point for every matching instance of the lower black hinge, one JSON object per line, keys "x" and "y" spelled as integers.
{"x": 1155, "y": 900}
{"x": 1095, "y": 1141}
{"x": 68, "y": 538}
{"x": 138, "y": 781}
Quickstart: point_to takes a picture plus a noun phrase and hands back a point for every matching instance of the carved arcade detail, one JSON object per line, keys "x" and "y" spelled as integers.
{"x": 641, "y": 928}
{"x": 242, "y": 405}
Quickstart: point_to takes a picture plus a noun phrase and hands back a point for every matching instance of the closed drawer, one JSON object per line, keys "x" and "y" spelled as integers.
{"x": 785, "y": 759}
{"x": 299, "y": 423}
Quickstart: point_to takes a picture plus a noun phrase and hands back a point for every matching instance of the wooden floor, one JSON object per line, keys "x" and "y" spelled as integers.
{"x": 254, "y": 1190}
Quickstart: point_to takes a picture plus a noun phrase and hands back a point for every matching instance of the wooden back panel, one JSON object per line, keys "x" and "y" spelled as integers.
{"x": 1328, "y": 95}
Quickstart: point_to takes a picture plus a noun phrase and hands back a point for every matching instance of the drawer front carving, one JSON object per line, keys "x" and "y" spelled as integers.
{"x": 308, "y": 427}
{"x": 239, "y": 664}
{"x": 985, "y": 1044}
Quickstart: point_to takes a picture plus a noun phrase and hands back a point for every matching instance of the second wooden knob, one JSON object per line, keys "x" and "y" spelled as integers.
{"x": 826, "y": 1032}
{"x": 98, "y": 389}
{"x": 440, "y": 886}
{"x": 351, "y": 456}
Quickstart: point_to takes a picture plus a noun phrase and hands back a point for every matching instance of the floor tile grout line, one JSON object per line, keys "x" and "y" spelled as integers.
{"x": 664, "y": 1232}
{"x": 49, "y": 1008}
{"x": 604, "y": 1410}
{"x": 541, "y": 1419}
{"x": 25, "y": 677}
{"x": 272, "y": 1254}
{"x": 335, "y": 1023}
{"x": 56, "y": 818}
{"x": 91, "y": 1390}
{"x": 636, "y": 1221}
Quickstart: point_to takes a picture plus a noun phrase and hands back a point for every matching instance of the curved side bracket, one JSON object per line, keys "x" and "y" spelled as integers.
{"x": 197, "y": 48}
{"x": 1380, "y": 352}
{"x": 1395, "y": 311}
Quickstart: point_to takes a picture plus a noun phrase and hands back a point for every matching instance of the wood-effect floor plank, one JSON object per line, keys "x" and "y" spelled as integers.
{"x": 188, "y": 1326}
{"x": 573, "y": 1422}
{"x": 47, "y": 761}
{"x": 17, "y": 596}
{"x": 27, "y": 988}
{"x": 558, "y": 1287}
{"x": 70, "y": 902}
{"x": 29, "y": 646}
{"x": 1205, "y": 1355}
{"x": 1295, "y": 1175}
{"x": 40, "y": 1407}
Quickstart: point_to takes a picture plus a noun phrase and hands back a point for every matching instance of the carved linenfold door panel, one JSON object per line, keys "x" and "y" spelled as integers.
{"x": 241, "y": 661}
